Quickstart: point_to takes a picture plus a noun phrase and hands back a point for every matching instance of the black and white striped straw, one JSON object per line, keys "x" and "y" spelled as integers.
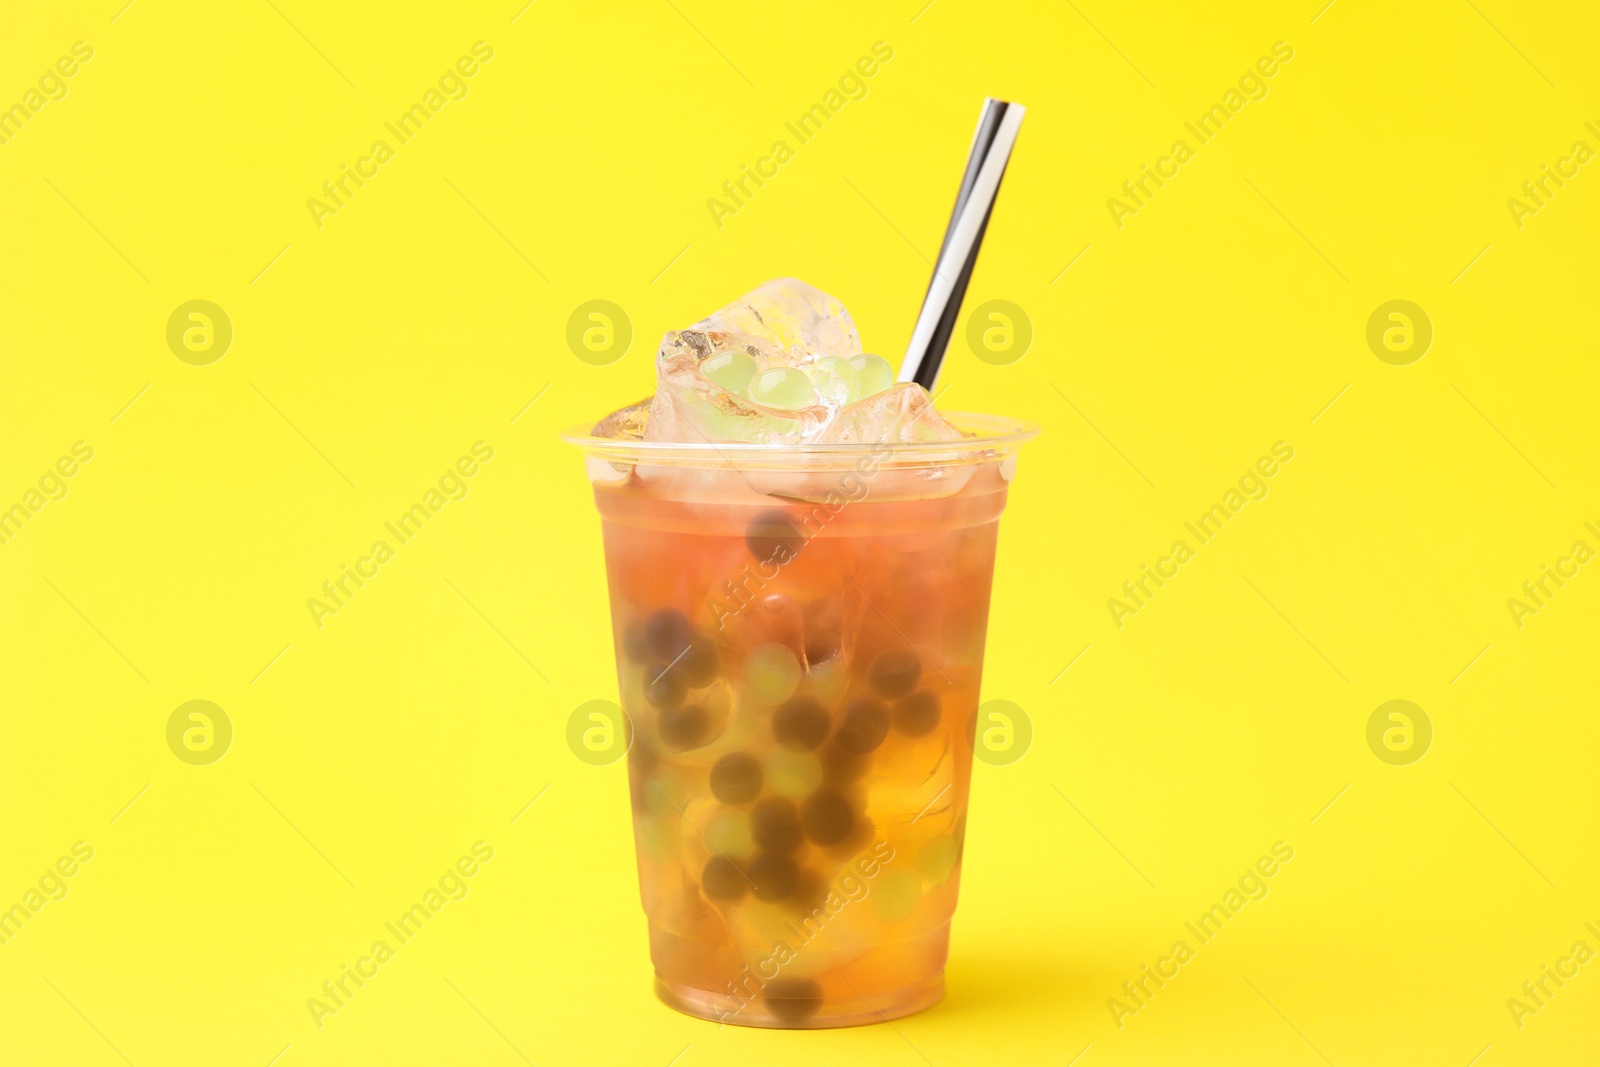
{"x": 986, "y": 165}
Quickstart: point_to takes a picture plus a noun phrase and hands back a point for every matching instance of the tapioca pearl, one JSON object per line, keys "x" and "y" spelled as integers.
{"x": 774, "y": 875}
{"x": 736, "y": 778}
{"x": 731, "y": 370}
{"x": 662, "y": 687}
{"x": 827, "y": 680}
{"x": 772, "y": 672}
{"x": 698, "y": 663}
{"x": 916, "y": 715}
{"x": 723, "y": 881}
{"x": 810, "y": 892}
{"x": 826, "y": 817}
{"x": 841, "y": 767}
{"x": 684, "y": 728}
{"x": 634, "y": 645}
{"x": 896, "y": 893}
{"x": 792, "y": 772}
{"x": 728, "y": 833}
{"x": 801, "y": 721}
{"x": 938, "y": 858}
{"x": 775, "y": 824}
{"x": 667, "y": 632}
{"x": 792, "y": 1000}
{"x": 863, "y": 726}
{"x": 894, "y": 673}
{"x": 782, "y": 387}
{"x": 773, "y": 537}
{"x": 874, "y": 373}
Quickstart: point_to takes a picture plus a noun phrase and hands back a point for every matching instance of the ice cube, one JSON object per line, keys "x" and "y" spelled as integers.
{"x": 801, "y": 322}
{"x": 780, "y": 365}
{"x": 901, "y": 414}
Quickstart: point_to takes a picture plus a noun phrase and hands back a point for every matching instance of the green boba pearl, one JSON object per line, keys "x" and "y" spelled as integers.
{"x": 937, "y": 858}
{"x": 874, "y": 372}
{"x": 728, "y": 832}
{"x": 772, "y": 672}
{"x": 783, "y": 387}
{"x": 895, "y": 896}
{"x": 844, "y": 370}
{"x": 731, "y": 370}
{"x": 792, "y": 773}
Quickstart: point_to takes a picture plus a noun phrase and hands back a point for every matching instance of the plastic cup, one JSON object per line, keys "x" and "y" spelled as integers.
{"x": 799, "y": 639}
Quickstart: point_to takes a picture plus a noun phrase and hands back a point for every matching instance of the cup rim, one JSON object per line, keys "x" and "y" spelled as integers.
{"x": 990, "y": 436}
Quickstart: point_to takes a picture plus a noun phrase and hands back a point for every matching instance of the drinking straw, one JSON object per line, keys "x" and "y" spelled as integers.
{"x": 986, "y": 165}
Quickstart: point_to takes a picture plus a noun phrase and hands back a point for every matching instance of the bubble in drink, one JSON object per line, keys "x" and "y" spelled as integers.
{"x": 937, "y": 858}
{"x": 896, "y": 894}
{"x": 792, "y": 999}
{"x": 736, "y": 778}
{"x": 826, "y": 817}
{"x": 728, "y": 833}
{"x": 731, "y": 370}
{"x": 801, "y": 721}
{"x": 783, "y": 387}
{"x": 663, "y": 688}
{"x": 916, "y": 715}
{"x": 792, "y": 773}
{"x": 874, "y": 374}
{"x": 864, "y": 726}
{"x": 684, "y": 728}
{"x": 893, "y": 673}
{"x": 698, "y": 661}
{"x": 772, "y": 536}
{"x": 775, "y": 825}
{"x": 774, "y": 875}
{"x": 772, "y": 672}
{"x": 835, "y": 380}
{"x": 722, "y": 880}
{"x": 667, "y": 633}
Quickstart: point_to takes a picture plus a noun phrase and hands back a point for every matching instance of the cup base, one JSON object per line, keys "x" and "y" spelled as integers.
{"x": 884, "y": 1006}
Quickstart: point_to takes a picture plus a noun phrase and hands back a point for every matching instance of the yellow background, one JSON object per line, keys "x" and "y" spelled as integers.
{"x": 368, "y": 354}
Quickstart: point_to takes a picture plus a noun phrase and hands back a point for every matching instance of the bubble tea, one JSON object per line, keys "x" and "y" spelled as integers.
{"x": 799, "y": 555}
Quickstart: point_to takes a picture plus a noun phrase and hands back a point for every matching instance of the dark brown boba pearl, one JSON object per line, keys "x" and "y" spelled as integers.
{"x": 792, "y": 1000}
{"x": 775, "y": 825}
{"x": 811, "y": 890}
{"x": 722, "y": 880}
{"x": 698, "y": 665}
{"x": 864, "y": 725}
{"x": 774, "y": 876}
{"x": 663, "y": 688}
{"x": 634, "y": 646}
{"x": 916, "y": 715}
{"x": 685, "y": 727}
{"x": 840, "y": 767}
{"x": 772, "y": 536}
{"x": 666, "y": 633}
{"x": 826, "y": 817}
{"x": 801, "y": 721}
{"x": 736, "y": 778}
{"x": 894, "y": 673}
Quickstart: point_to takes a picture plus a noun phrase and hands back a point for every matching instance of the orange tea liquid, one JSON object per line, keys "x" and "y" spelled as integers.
{"x": 801, "y": 679}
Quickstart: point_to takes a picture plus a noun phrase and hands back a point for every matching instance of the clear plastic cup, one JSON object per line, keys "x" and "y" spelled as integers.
{"x": 799, "y": 638}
